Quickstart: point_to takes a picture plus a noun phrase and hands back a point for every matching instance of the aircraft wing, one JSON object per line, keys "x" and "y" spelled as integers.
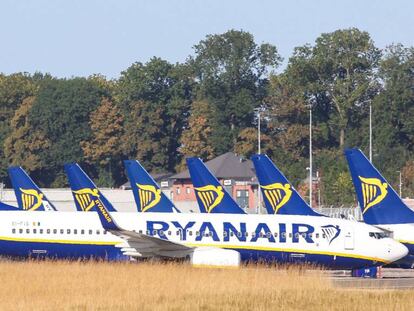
{"x": 142, "y": 245}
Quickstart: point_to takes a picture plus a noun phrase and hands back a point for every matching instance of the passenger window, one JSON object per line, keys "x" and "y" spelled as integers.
{"x": 296, "y": 235}
{"x": 317, "y": 235}
{"x": 290, "y": 235}
{"x": 197, "y": 233}
{"x": 82, "y": 231}
{"x": 62, "y": 231}
{"x": 154, "y": 232}
{"x": 275, "y": 234}
{"x": 253, "y": 234}
{"x": 13, "y": 230}
{"x": 98, "y": 232}
{"x": 54, "y": 231}
{"x": 68, "y": 231}
{"x": 104, "y": 232}
{"x": 232, "y": 233}
{"x": 283, "y": 234}
{"x": 41, "y": 231}
{"x": 190, "y": 233}
{"x": 27, "y": 230}
{"x": 34, "y": 231}
{"x": 169, "y": 232}
{"x": 148, "y": 232}
{"x": 140, "y": 231}
{"x": 323, "y": 235}
{"x": 225, "y": 233}
{"x": 246, "y": 234}
{"x": 75, "y": 231}
{"x": 90, "y": 231}
{"x": 239, "y": 234}
{"x": 47, "y": 231}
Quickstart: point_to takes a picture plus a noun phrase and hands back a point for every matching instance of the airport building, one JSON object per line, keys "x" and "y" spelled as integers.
{"x": 235, "y": 173}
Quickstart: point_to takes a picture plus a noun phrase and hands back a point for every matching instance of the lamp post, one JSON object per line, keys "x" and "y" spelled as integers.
{"x": 259, "y": 194}
{"x": 370, "y": 132}
{"x": 400, "y": 185}
{"x": 310, "y": 155}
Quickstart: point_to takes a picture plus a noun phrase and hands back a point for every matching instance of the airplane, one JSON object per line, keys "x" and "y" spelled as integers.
{"x": 147, "y": 194}
{"x": 83, "y": 189}
{"x": 211, "y": 196}
{"x": 380, "y": 204}
{"x": 29, "y": 196}
{"x": 204, "y": 239}
{"x": 279, "y": 195}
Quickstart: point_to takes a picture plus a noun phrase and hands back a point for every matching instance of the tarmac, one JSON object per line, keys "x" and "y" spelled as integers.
{"x": 390, "y": 278}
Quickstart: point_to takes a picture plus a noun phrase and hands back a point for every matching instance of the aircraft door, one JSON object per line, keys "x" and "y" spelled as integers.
{"x": 349, "y": 238}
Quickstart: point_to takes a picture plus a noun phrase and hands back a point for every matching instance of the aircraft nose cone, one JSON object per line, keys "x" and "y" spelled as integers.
{"x": 397, "y": 250}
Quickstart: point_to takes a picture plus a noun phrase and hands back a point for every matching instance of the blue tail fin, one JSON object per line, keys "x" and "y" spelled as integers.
{"x": 29, "y": 196}
{"x": 211, "y": 196}
{"x": 279, "y": 195}
{"x": 379, "y": 202}
{"x": 148, "y": 195}
{"x": 85, "y": 193}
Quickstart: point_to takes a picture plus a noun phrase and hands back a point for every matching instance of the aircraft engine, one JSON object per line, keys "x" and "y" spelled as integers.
{"x": 208, "y": 256}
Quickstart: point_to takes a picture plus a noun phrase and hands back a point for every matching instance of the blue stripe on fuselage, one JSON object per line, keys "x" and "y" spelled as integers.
{"x": 60, "y": 250}
{"x": 110, "y": 252}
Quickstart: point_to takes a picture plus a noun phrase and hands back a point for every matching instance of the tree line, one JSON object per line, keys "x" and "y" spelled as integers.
{"x": 159, "y": 112}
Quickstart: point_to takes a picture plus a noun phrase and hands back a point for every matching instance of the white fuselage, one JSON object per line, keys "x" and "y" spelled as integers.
{"x": 403, "y": 233}
{"x": 320, "y": 240}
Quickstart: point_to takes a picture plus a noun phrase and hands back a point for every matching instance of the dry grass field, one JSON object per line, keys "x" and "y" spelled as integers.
{"x": 47, "y": 285}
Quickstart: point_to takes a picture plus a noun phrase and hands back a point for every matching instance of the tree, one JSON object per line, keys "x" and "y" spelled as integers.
{"x": 337, "y": 76}
{"x": 407, "y": 173}
{"x": 231, "y": 69}
{"x": 195, "y": 140}
{"x": 145, "y": 137}
{"x": 13, "y": 89}
{"x": 62, "y": 111}
{"x": 246, "y": 143}
{"x": 158, "y": 94}
{"x": 24, "y": 145}
{"x": 104, "y": 148}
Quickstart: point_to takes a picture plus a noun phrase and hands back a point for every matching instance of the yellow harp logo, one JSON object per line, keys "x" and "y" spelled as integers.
{"x": 373, "y": 192}
{"x": 31, "y": 199}
{"x": 149, "y": 196}
{"x": 85, "y": 198}
{"x": 210, "y": 196}
{"x": 277, "y": 194}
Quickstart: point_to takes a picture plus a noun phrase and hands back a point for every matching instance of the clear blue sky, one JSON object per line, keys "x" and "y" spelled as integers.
{"x": 82, "y": 37}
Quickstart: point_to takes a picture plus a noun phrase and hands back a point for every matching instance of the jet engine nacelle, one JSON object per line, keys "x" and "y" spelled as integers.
{"x": 207, "y": 256}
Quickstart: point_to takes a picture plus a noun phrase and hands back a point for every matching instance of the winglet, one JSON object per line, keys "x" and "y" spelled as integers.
{"x": 29, "y": 196}
{"x": 379, "y": 202}
{"x": 147, "y": 194}
{"x": 279, "y": 195}
{"x": 84, "y": 190}
{"x": 107, "y": 221}
{"x": 211, "y": 196}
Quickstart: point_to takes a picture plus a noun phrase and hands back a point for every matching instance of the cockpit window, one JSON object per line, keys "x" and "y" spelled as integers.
{"x": 378, "y": 235}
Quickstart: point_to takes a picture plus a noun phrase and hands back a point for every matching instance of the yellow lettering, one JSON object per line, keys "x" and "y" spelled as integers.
{"x": 102, "y": 209}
